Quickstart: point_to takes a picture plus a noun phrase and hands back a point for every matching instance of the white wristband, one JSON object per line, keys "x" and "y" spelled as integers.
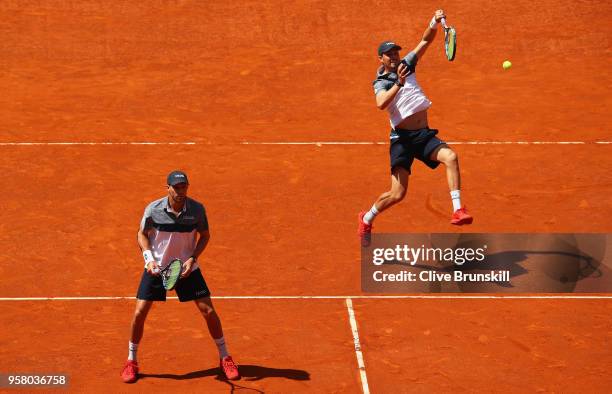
{"x": 148, "y": 257}
{"x": 433, "y": 24}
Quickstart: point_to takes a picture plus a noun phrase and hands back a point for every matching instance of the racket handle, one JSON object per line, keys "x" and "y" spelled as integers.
{"x": 443, "y": 22}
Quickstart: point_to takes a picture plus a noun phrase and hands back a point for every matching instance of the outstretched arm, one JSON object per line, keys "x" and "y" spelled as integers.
{"x": 429, "y": 34}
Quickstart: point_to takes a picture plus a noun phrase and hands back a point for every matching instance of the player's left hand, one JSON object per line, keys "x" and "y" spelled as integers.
{"x": 439, "y": 15}
{"x": 187, "y": 268}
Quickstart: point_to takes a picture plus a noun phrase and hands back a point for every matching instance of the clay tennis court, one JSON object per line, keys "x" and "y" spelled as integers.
{"x": 100, "y": 100}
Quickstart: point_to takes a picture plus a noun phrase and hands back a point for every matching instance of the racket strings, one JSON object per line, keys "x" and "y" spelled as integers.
{"x": 165, "y": 276}
{"x": 171, "y": 275}
{"x": 450, "y": 43}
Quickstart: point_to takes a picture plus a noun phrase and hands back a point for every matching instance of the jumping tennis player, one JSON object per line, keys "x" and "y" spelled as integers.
{"x": 397, "y": 90}
{"x": 169, "y": 230}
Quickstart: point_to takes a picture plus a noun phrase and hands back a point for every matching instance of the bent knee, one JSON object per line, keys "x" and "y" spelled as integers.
{"x": 397, "y": 195}
{"x": 450, "y": 158}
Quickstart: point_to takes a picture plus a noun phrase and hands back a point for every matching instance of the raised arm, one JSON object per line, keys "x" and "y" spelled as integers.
{"x": 429, "y": 34}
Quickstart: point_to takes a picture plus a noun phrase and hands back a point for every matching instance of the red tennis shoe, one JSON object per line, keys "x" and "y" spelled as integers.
{"x": 229, "y": 368}
{"x": 364, "y": 231}
{"x": 130, "y": 372}
{"x": 461, "y": 217}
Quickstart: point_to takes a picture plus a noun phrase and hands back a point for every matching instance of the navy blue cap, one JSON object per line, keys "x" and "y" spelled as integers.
{"x": 387, "y": 46}
{"x": 176, "y": 177}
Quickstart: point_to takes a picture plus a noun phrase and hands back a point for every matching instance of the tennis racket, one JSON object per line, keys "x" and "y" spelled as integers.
{"x": 450, "y": 40}
{"x": 171, "y": 274}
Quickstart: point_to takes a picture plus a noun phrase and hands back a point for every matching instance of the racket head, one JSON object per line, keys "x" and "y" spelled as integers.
{"x": 171, "y": 274}
{"x": 450, "y": 43}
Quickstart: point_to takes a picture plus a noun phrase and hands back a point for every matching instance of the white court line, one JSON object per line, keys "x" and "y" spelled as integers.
{"x": 320, "y": 143}
{"x": 317, "y": 143}
{"x": 517, "y": 143}
{"x": 358, "y": 353}
{"x": 91, "y": 143}
{"x": 312, "y": 297}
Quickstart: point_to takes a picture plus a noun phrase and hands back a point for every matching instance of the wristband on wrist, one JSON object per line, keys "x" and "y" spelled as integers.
{"x": 148, "y": 257}
{"x": 433, "y": 24}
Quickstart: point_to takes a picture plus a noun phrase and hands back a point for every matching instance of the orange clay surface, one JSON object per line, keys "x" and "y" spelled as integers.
{"x": 283, "y": 218}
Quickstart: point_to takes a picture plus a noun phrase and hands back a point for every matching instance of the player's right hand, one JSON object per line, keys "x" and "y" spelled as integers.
{"x": 153, "y": 268}
{"x": 402, "y": 73}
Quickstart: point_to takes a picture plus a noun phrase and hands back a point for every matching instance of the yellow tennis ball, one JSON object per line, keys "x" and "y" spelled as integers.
{"x": 506, "y": 65}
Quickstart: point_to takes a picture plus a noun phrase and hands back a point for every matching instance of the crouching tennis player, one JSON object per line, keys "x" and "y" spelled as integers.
{"x": 169, "y": 230}
{"x": 397, "y": 90}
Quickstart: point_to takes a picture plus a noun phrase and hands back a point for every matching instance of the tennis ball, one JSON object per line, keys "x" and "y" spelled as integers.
{"x": 506, "y": 65}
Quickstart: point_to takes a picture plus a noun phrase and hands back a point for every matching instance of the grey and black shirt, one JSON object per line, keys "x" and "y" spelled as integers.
{"x": 173, "y": 234}
{"x": 409, "y": 100}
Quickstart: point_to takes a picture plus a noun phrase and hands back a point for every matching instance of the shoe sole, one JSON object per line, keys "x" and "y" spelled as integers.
{"x": 366, "y": 237}
{"x": 461, "y": 222}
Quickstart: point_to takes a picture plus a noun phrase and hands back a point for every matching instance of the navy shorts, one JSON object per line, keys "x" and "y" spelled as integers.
{"x": 406, "y": 145}
{"x": 190, "y": 288}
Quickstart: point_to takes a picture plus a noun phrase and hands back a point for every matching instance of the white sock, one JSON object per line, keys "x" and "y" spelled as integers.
{"x": 222, "y": 348}
{"x": 368, "y": 218}
{"x": 456, "y": 196}
{"x": 132, "y": 348}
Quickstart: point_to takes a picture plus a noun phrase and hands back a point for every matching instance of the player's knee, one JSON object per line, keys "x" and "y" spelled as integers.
{"x": 397, "y": 195}
{"x": 207, "y": 311}
{"x": 140, "y": 314}
{"x": 450, "y": 158}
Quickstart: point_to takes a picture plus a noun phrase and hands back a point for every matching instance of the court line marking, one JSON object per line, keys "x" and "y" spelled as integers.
{"x": 356, "y": 297}
{"x": 317, "y": 143}
{"x": 92, "y": 143}
{"x": 358, "y": 353}
{"x": 320, "y": 143}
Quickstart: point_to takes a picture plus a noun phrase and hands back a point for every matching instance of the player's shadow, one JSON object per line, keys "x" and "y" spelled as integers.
{"x": 584, "y": 265}
{"x": 248, "y": 373}
{"x": 511, "y": 261}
